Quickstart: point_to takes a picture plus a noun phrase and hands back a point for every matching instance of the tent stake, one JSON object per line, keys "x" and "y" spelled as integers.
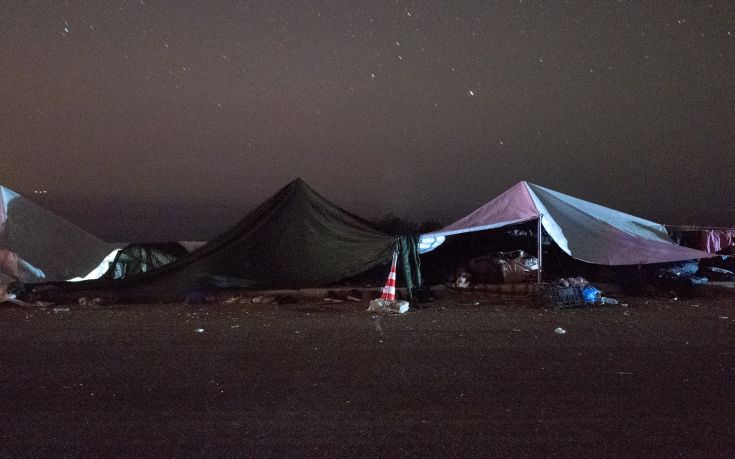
{"x": 538, "y": 246}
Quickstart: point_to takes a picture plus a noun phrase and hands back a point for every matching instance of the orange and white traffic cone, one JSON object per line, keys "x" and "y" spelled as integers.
{"x": 389, "y": 291}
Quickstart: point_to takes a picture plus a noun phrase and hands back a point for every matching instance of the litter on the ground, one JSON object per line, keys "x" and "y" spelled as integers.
{"x": 263, "y": 299}
{"x": 199, "y": 330}
{"x": 590, "y": 294}
{"x": 463, "y": 280}
{"x": 376, "y": 323}
{"x": 388, "y": 306}
{"x": 61, "y": 309}
{"x": 559, "y": 331}
{"x": 85, "y": 301}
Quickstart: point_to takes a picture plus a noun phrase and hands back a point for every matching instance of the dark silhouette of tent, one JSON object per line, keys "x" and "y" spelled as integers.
{"x": 295, "y": 239}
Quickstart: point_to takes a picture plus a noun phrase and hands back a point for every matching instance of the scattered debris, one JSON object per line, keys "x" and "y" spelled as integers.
{"x": 85, "y": 301}
{"x": 388, "y": 306}
{"x": 332, "y": 300}
{"x": 578, "y": 281}
{"x": 717, "y": 274}
{"x": 559, "y": 331}
{"x": 263, "y": 299}
{"x": 591, "y": 295}
{"x": 463, "y": 280}
{"x": 724, "y": 317}
{"x": 60, "y": 309}
{"x": 199, "y": 330}
{"x": 232, "y": 300}
{"x": 352, "y": 298}
{"x": 376, "y": 323}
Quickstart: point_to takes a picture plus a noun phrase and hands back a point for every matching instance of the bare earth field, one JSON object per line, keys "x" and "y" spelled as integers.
{"x": 656, "y": 378}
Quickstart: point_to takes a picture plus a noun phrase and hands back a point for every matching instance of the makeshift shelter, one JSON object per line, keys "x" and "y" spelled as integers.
{"x": 139, "y": 258}
{"x": 145, "y": 257}
{"x": 37, "y": 245}
{"x": 294, "y": 239}
{"x": 585, "y": 231}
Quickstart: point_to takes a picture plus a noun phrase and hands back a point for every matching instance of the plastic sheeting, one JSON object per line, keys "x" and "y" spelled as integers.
{"x": 584, "y": 230}
{"x": 37, "y": 245}
{"x": 294, "y": 239}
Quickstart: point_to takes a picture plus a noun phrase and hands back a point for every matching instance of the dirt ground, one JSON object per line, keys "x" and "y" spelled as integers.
{"x": 306, "y": 380}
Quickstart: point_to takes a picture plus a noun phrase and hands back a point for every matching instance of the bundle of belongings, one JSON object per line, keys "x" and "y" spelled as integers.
{"x": 504, "y": 267}
{"x": 684, "y": 273}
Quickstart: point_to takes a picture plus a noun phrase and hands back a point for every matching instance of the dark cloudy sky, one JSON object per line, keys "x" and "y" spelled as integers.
{"x": 176, "y": 114}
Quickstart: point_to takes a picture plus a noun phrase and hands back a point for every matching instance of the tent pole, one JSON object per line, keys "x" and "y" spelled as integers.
{"x": 538, "y": 247}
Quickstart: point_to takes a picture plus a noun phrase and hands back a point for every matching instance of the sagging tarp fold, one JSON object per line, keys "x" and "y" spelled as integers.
{"x": 410, "y": 262}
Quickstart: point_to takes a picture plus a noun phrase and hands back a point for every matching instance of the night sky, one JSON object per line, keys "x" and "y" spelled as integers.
{"x": 181, "y": 116}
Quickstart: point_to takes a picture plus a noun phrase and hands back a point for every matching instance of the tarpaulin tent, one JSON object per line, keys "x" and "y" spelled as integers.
{"x": 586, "y": 231}
{"x": 36, "y": 244}
{"x": 294, "y": 239}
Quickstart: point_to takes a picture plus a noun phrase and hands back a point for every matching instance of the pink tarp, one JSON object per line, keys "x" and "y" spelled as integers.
{"x": 586, "y": 231}
{"x": 714, "y": 240}
{"x": 513, "y": 206}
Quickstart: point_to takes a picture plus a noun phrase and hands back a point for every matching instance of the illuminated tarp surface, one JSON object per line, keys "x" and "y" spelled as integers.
{"x": 36, "y": 244}
{"x": 586, "y": 231}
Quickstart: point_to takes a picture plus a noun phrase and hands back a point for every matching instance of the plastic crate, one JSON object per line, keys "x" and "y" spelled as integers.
{"x": 565, "y": 297}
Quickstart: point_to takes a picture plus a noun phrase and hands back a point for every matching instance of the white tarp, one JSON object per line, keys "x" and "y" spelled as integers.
{"x": 586, "y": 231}
{"x": 37, "y": 245}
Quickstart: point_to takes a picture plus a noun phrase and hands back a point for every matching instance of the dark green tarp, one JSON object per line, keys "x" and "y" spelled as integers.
{"x": 139, "y": 258}
{"x": 408, "y": 259}
{"x": 294, "y": 239}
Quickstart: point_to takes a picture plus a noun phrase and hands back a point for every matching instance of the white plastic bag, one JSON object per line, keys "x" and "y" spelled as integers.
{"x": 388, "y": 307}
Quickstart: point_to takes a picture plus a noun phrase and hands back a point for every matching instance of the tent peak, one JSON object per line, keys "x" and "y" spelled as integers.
{"x": 299, "y": 185}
